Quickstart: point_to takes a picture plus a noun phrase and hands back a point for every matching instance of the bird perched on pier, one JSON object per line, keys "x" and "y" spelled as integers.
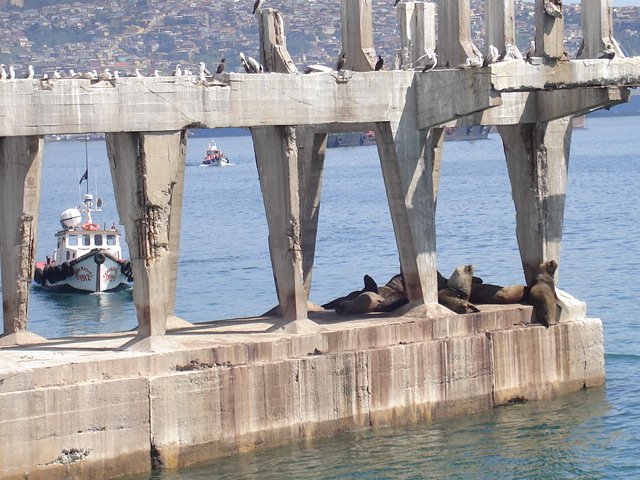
{"x": 156, "y": 73}
{"x": 56, "y": 74}
{"x": 257, "y": 5}
{"x": 379, "y": 63}
{"x": 203, "y": 69}
{"x": 3, "y": 72}
{"x": 12, "y": 73}
{"x": 178, "y": 71}
{"x": 531, "y": 51}
{"x": 492, "y": 56}
{"x": 607, "y": 52}
{"x": 432, "y": 61}
{"x": 30, "y": 72}
{"x": 106, "y": 75}
{"x": 341, "y": 62}
{"x": 221, "y": 66}
{"x": 250, "y": 64}
{"x": 116, "y": 75}
{"x": 510, "y": 53}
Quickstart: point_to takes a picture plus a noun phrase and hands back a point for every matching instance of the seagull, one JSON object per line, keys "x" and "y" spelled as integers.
{"x": 341, "y": 62}
{"x": 492, "y": 56}
{"x": 203, "y": 69}
{"x": 56, "y": 74}
{"x": 106, "y": 75}
{"x": 221, "y": 65}
{"x": 257, "y": 5}
{"x": 510, "y": 53}
{"x": 432, "y": 61}
{"x": 156, "y": 73}
{"x": 531, "y": 51}
{"x": 138, "y": 73}
{"x": 178, "y": 71}
{"x": 379, "y": 63}
{"x": 607, "y": 52}
{"x": 12, "y": 73}
{"x": 3, "y": 72}
{"x": 116, "y": 74}
{"x": 30, "y": 72}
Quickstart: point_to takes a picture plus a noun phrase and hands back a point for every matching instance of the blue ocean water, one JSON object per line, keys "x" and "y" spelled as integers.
{"x": 225, "y": 273}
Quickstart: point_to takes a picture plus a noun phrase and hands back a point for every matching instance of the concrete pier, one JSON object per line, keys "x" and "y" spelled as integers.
{"x": 165, "y": 396}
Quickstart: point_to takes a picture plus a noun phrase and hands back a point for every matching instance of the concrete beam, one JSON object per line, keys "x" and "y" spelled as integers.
{"x": 20, "y": 179}
{"x": 357, "y": 35}
{"x": 537, "y": 159}
{"x": 277, "y": 162}
{"x": 147, "y": 170}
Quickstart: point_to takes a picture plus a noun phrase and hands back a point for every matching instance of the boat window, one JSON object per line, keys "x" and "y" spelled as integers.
{"x": 86, "y": 240}
{"x": 111, "y": 239}
{"x": 72, "y": 240}
{"x": 68, "y": 255}
{"x": 97, "y": 240}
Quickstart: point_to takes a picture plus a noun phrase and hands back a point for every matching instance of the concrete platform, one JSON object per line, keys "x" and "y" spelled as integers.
{"x": 85, "y": 407}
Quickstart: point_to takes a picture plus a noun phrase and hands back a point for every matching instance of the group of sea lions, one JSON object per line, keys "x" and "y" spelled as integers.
{"x": 459, "y": 293}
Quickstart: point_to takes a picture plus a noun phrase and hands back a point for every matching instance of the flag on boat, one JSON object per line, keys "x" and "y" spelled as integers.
{"x": 85, "y": 176}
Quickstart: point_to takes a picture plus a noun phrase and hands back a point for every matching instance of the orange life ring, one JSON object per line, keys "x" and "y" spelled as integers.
{"x": 90, "y": 226}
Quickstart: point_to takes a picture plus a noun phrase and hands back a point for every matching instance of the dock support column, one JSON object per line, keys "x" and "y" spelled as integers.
{"x": 501, "y": 28}
{"x": 454, "y": 33}
{"x": 20, "y": 180}
{"x": 277, "y": 162}
{"x": 549, "y": 29}
{"x": 417, "y": 22}
{"x": 311, "y": 153}
{"x": 147, "y": 170}
{"x": 357, "y": 35}
{"x": 273, "y": 43}
{"x": 538, "y": 160}
{"x": 410, "y": 160}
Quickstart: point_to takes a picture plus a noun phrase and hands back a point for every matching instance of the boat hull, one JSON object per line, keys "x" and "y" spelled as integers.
{"x": 97, "y": 271}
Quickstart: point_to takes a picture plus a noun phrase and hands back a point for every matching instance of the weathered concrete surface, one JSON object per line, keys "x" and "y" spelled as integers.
{"x": 175, "y": 103}
{"x": 81, "y": 407}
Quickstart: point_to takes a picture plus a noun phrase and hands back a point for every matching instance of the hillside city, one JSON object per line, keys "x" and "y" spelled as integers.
{"x": 158, "y": 34}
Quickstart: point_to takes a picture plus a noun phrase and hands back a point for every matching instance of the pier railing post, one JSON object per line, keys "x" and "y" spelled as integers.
{"x": 454, "y": 33}
{"x": 597, "y": 28}
{"x": 357, "y": 35}
{"x": 537, "y": 159}
{"x": 148, "y": 176}
{"x": 417, "y": 21}
{"x": 20, "y": 180}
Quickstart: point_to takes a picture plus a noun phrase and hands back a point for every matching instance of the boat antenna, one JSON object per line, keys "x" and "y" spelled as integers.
{"x": 86, "y": 158}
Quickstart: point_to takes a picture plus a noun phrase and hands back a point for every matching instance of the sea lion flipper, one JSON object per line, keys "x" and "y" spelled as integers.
{"x": 370, "y": 285}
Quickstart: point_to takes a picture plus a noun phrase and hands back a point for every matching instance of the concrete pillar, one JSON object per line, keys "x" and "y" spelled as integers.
{"x": 454, "y": 33}
{"x": 417, "y": 21}
{"x": 501, "y": 28}
{"x": 357, "y": 35}
{"x": 147, "y": 170}
{"x": 20, "y": 177}
{"x": 273, "y": 43}
{"x": 538, "y": 159}
{"x": 410, "y": 160}
{"x": 277, "y": 161}
{"x": 311, "y": 153}
{"x": 549, "y": 29}
{"x": 597, "y": 28}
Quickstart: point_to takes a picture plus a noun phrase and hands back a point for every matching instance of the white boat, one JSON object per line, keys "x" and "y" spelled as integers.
{"x": 214, "y": 156}
{"x": 88, "y": 257}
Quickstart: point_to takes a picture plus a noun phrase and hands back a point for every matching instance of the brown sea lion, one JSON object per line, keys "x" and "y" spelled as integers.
{"x": 487, "y": 293}
{"x": 455, "y": 296}
{"x": 370, "y": 285}
{"x": 364, "y": 303}
{"x": 542, "y": 293}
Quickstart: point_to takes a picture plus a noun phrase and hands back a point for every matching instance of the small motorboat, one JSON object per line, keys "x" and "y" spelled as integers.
{"x": 88, "y": 257}
{"x": 215, "y": 157}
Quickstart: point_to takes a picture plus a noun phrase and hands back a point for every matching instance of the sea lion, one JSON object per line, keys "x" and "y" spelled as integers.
{"x": 455, "y": 296}
{"x": 393, "y": 301}
{"x": 542, "y": 293}
{"x": 370, "y": 285}
{"x": 364, "y": 303}
{"x": 487, "y": 293}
